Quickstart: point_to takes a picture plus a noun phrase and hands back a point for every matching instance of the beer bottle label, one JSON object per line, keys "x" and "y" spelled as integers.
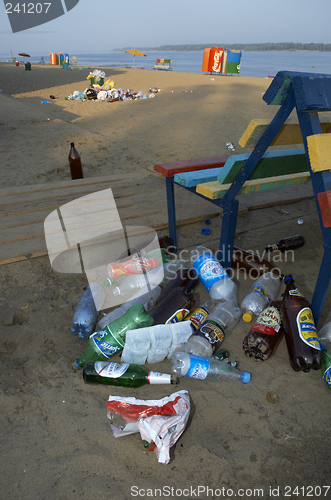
{"x": 268, "y": 322}
{"x": 295, "y": 293}
{"x": 107, "y": 346}
{"x": 177, "y": 316}
{"x": 327, "y": 376}
{"x": 213, "y": 332}
{"x": 110, "y": 370}
{"x": 209, "y": 270}
{"x": 307, "y": 329}
{"x": 197, "y": 317}
{"x": 198, "y": 367}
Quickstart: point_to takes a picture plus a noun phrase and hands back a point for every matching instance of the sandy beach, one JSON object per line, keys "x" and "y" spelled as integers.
{"x": 57, "y": 442}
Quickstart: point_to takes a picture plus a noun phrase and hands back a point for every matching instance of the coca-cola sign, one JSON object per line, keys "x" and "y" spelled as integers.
{"x": 215, "y": 60}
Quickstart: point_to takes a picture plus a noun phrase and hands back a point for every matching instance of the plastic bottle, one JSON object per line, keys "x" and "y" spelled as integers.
{"x": 132, "y": 284}
{"x": 264, "y": 290}
{"x": 188, "y": 365}
{"x": 325, "y": 336}
{"x": 144, "y": 296}
{"x": 139, "y": 265}
{"x": 86, "y": 313}
{"x": 200, "y": 314}
{"x": 262, "y": 340}
{"x": 251, "y": 263}
{"x": 300, "y": 331}
{"x": 75, "y": 164}
{"x": 124, "y": 375}
{"x": 219, "y": 324}
{"x": 289, "y": 243}
{"x": 213, "y": 276}
{"x": 139, "y": 249}
{"x": 104, "y": 344}
{"x": 326, "y": 365}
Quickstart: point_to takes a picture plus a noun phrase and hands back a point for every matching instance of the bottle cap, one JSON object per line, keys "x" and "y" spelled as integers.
{"x": 117, "y": 291}
{"x": 247, "y": 317}
{"x": 107, "y": 282}
{"x": 246, "y": 377}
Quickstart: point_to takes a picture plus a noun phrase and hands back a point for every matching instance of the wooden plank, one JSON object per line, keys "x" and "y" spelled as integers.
{"x": 191, "y": 179}
{"x": 324, "y": 201}
{"x": 215, "y": 190}
{"x": 288, "y": 135}
{"x": 319, "y": 150}
{"x": 273, "y": 162}
{"x": 170, "y": 168}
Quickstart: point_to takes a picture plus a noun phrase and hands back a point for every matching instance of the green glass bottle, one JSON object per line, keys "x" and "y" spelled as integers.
{"x": 326, "y": 366}
{"x": 104, "y": 344}
{"x": 124, "y": 374}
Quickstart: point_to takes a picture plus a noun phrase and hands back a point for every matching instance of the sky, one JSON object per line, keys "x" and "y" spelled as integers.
{"x": 100, "y": 26}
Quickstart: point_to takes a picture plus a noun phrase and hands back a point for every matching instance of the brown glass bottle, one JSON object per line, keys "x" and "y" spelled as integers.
{"x": 75, "y": 164}
{"x": 178, "y": 300}
{"x": 289, "y": 243}
{"x": 262, "y": 340}
{"x": 252, "y": 263}
{"x": 300, "y": 331}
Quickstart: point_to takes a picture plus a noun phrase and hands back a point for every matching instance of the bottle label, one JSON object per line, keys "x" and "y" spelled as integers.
{"x": 197, "y": 317}
{"x": 108, "y": 349}
{"x": 261, "y": 292}
{"x": 327, "y": 376}
{"x": 295, "y": 293}
{"x": 213, "y": 332}
{"x": 110, "y": 370}
{"x": 307, "y": 329}
{"x": 209, "y": 270}
{"x": 158, "y": 378}
{"x": 133, "y": 266}
{"x": 268, "y": 322}
{"x": 198, "y": 367}
{"x": 177, "y": 316}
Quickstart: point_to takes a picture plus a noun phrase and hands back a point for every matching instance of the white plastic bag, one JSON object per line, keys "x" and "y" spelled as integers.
{"x": 160, "y": 422}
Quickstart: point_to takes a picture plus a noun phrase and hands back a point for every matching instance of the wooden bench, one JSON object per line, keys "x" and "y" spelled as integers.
{"x": 308, "y": 94}
{"x": 164, "y": 64}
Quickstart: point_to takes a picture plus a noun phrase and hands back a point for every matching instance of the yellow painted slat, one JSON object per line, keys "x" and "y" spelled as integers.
{"x": 319, "y": 149}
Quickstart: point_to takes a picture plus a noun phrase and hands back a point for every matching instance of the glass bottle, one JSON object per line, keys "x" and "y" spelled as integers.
{"x": 251, "y": 263}
{"x": 289, "y": 243}
{"x": 123, "y": 374}
{"x": 265, "y": 335}
{"x": 106, "y": 343}
{"x": 326, "y": 366}
{"x": 300, "y": 331}
{"x": 75, "y": 163}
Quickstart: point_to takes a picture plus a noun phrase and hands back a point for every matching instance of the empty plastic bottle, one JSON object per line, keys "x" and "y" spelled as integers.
{"x": 138, "y": 265}
{"x": 144, "y": 296}
{"x": 264, "y": 290}
{"x": 86, "y": 313}
{"x": 131, "y": 284}
{"x": 213, "y": 276}
{"x": 325, "y": 336}
{"x": 104, "y": 344}
{"x": 326, "y": 366}
{"x": 218, "y": 326}
{"x": 188, "y": 365}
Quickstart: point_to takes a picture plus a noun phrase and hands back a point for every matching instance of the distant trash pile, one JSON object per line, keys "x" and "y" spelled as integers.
{"x": 102, "y": 90}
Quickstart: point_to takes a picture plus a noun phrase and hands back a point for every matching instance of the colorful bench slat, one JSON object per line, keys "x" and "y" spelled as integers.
{"x": 163, "y": 64}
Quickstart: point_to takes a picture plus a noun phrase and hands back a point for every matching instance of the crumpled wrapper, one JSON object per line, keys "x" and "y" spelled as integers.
{"x": 160, "y": 422}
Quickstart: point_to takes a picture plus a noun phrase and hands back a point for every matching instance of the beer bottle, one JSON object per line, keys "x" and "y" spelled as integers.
{"x": 123, "y": 374}
{"x": 75, "y": 163}
{"x": 289, "y": 243}
{"x": 326, "y": 366}
{"x": 253, "y": 264}
{"x": 174, "y": 307}
{"x": 300, "y": 331}
{"x": 265, "y": 335}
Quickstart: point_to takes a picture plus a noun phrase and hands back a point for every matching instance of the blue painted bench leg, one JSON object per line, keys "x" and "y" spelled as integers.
{"x": 171, "y": 210}
{"x": 228, "y": 231}
{"x": 322, "y": 285}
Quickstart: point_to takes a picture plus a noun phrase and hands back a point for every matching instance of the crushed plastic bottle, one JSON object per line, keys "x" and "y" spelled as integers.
{"x": 86, "y": 313}
{"x": 264, "y": 290}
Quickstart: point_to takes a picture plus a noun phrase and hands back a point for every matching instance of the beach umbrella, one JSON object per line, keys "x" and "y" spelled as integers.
{"x": 134, "y": 52}
{"x": 24, "y": 54}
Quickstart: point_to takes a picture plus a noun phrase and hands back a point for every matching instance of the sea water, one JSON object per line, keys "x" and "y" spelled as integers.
{"x": 259, "y": 64}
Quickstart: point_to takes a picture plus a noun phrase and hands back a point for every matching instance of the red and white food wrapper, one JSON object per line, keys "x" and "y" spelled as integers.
{"x": 160, "y": 421}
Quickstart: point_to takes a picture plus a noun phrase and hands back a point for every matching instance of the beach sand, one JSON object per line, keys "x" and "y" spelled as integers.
{"x": 56, "y": 438}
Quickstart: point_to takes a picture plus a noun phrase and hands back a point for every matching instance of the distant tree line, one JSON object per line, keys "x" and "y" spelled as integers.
{"x": 323, "y": 47}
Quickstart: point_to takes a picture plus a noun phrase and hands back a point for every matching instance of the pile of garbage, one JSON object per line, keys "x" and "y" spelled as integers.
{"x": 161, "y": 318}
{"x": 103, "y": 89}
